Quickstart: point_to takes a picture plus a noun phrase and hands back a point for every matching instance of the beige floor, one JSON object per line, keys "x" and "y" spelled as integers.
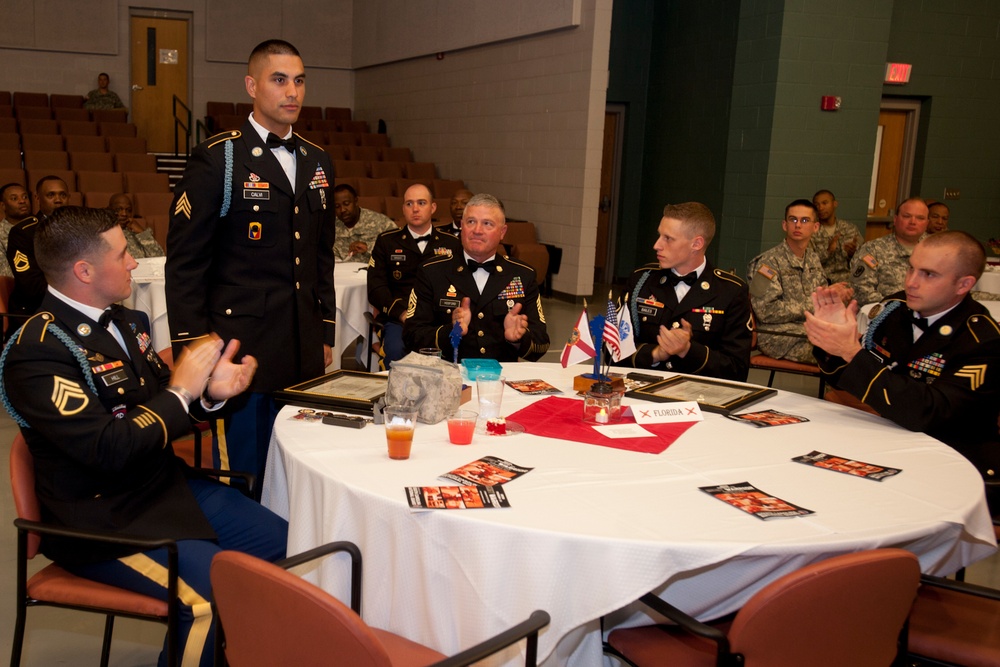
{"x": 56, "y": 637}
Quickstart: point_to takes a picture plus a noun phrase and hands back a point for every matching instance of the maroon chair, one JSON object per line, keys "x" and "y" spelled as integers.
{"x": 269, "y": 616}
{"x": 955, "y": 623}
{"x": 846, "y": 610}
{"x": 761, "y": 361}
{"x": 55, "y": 587}
{"x": 70, "y": 113}
{"x": 350, "y": 169}
{"x": 90, "y": 161}
{"x": 109, "y": 115}
{"x": 85, "y": 144}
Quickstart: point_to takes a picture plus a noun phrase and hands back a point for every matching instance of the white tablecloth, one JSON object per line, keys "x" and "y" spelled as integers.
{"x": 148, "y": 295}
{"x": 989, "y": 282}
{"x": 591, "y": 528}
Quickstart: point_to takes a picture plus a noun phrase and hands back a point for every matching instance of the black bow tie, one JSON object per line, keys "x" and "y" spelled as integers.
{"x": 274, "y": 141}
{"x": 673, "y": 278}
{"x": 425, "y": 237}
{"x": 487, "y": 266}
{"x": 116, "y": 313}
{"x": 921, "y": 323}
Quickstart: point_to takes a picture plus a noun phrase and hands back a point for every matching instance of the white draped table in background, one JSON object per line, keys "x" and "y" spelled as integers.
{"x": 148, "y": 295}
{"x": 592, "y": 528}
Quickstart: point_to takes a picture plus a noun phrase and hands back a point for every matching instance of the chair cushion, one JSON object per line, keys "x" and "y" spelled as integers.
{"x": 650, "y": 646}
{"x": 769, "y": 363}
{"x": 57, "y": 586}
{"x": 405, "y": 653}
{"x": 955, "y": 627}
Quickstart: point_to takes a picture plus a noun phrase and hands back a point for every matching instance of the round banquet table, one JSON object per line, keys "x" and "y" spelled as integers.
{"x": 592, "y": 528}
{"x": 350, "y": 281}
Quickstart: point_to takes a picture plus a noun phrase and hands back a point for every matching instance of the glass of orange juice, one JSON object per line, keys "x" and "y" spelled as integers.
{"x": 461, "y": 426}
{"x": 400, "y": 420}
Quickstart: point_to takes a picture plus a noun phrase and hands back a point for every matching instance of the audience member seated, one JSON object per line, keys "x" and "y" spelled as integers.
{"x": 690, "y": 317}
{"x": 101, "y": 437}
{"x": 16, "y": 204}
{"x": 457, "y": 208}
{"x": 930, "y": 358}
{"x": 102, "y": 97}
{"x": 396, "y": 256}
{"x": 140, "y": 239}
{"x": 836, "y": 241}
{"x": 357, "y": 227}
{"x": 782, "y": 281}
{"x": 493, "y": 299}
{"x": 938, "y": 215}
{"x": 879, "y": 267}
{"x": 29, "y": 281}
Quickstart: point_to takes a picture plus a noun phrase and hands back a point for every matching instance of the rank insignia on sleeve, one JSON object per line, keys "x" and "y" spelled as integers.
{"x": 767, "y": 272}
{"x": 21, "y": 263}
{"x": 514, "y": 289}
{"x": 870, "y": 261}
{"x": 976, "y": 375}
{"x": 68, "y": 396}
{"x": 183, "y": 206}
{"x": 319, "y": 179}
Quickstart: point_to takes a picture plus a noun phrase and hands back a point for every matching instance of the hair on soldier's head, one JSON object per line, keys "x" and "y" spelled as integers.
{"x": 70, "y": 234}
{"x": 271, "y": 47}
{"x": 695, "y": 218}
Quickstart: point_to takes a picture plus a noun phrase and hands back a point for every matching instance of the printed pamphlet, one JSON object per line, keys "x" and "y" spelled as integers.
{"x": 455, "y": 497}
{"x": 533, "y": 387}
{"x": 750, "y": 499}
{"x": 487, "y": 471}
{"x": 765, "y": 418}
{"x": 847, "y": 466}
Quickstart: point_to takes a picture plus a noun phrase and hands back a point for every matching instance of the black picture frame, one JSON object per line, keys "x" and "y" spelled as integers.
{"x": 345, "y": 391}
{"x": 730, "y": 396}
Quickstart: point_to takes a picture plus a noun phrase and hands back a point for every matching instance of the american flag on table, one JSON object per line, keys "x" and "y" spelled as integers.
{"x": 610, "y": 335}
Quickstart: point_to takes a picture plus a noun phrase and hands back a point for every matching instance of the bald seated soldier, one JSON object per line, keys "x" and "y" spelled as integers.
{"x": 493, "y": 299}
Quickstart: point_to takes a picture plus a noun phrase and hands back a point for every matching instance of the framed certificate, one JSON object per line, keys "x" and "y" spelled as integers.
{"x": 349, "y": 391}
{"x": 712, "y": 395}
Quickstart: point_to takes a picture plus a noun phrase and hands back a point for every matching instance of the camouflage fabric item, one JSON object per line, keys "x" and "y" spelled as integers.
{"x": 879, "y": 269}
{"x": 780, "y": 288}
{"x": 836, "y": 263}
{"x": 4, "y": 233}
{"x": 142, "y": 244}
{"x": 369, "y": 226}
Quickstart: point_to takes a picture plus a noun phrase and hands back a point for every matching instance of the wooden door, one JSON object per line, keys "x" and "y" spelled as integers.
{"x": 603, "y": 267}
{"x": 159, "y": 71}
{"x": 888, "y": 166}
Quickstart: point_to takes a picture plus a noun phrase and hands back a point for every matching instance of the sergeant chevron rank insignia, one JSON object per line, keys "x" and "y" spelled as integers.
{"x": 183, "y": 206}
{"x": 976, "y": 375}
{"x": 68, "y": 396}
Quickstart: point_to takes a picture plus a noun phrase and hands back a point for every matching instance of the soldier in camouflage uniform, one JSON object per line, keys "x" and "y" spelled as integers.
{"x": 879, "y": 267}
{"x": 782, "y": 281}
{"x": 357, "y": 228}
{"x": 15, "y": 203}
{"x": 836, "y": 240}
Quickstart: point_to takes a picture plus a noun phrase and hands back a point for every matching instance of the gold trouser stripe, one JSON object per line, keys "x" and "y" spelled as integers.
{"x": 200, "y": 607}
{"x": 220, "y": 434}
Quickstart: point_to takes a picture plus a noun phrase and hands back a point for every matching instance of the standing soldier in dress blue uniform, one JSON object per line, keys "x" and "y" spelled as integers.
{"x": 251, "y": 251}
{"x": 690, "y": 317}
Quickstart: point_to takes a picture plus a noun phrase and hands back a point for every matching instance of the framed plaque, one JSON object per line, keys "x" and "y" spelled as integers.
{"x": 347, "y": 391}
{"x": 712, "y": 395}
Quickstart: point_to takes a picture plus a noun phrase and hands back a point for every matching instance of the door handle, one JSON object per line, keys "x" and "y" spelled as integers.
{"x": 136, "y": 87}
{"x": 605, "y": 204}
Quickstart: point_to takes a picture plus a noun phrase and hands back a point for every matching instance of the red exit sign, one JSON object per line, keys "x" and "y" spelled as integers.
{"x": 898, "y": 73}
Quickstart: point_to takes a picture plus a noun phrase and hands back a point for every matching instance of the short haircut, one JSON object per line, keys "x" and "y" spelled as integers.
{"x": 8, "y": 186}
{"x": 272, "y": 47}
{"x": 908, "y": 200}
{"x": 344, "y": 187}
{"x": 489, "y": 201}
{"x": 971, "y": 254}
{"x": 70, "y": 234}
{"x": 50, "y": 177}
{"x": 695, "y": 218}
{"x": 938, "y": 203}
{"x": 802, "y": 202}
{"x": 825, "y": 192}
{"x": 103, "y": 74}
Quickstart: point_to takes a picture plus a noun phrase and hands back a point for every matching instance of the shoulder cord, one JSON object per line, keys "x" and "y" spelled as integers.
{"x": 70, "y": 344}
{"x": 869, "y": 342}
{"x": 227, "y": 192}
{"x": 634, "y": 308}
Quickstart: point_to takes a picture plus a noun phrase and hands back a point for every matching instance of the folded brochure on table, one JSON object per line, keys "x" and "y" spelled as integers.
{"x": 481, "y": 487}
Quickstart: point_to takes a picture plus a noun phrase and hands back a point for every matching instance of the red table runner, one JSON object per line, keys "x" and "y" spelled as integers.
{"x": 562, "y": 418}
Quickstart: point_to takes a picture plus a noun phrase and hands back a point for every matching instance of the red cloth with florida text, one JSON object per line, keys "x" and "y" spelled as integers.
{"x": 562, "y": 418}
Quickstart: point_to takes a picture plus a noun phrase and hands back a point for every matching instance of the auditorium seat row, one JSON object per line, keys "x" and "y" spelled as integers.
{"x": 97, "y": 181}
{"x": 376, "y": 169}
{"x": 66, "y": 127}
{"x": 77, "y": 160}
{"x": 72, "y": 143}
{"x": 396, "y": 187}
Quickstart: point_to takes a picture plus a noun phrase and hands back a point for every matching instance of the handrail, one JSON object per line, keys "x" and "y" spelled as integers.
{"x": 186, "y": 126}
{"x": 200, "y": 126}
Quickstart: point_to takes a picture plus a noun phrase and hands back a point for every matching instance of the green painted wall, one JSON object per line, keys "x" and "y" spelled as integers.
{"x": 954, "y": 47}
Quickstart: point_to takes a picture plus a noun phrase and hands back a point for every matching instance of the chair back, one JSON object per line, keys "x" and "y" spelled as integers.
{"x": 847, "y": 610}
{"x": 22, "y": 482}
{"x": 273, "y": 617}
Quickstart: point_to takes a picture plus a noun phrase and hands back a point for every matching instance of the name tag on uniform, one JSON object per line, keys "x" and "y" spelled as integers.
{"x": 256, "y": 194}
{"x": 449, "y": 303}
{"x": 397, "y": 258}
{"x": 114, "y": 377}
{"x": 647, "y": 310}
